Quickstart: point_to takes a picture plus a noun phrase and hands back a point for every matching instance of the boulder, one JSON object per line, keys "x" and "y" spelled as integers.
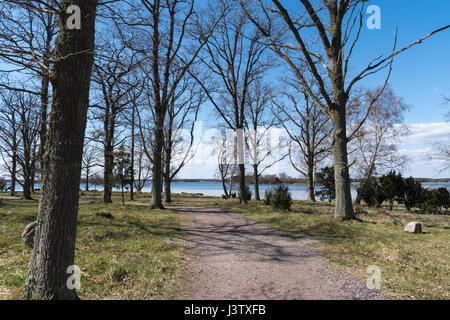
{"x": 28, "y": 234}
{"x": 413, "y": 227}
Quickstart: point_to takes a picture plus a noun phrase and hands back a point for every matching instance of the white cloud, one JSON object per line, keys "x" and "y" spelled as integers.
{"x": 427, "y": 133}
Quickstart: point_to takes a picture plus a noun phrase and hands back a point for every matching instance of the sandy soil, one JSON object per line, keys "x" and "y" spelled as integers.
{"x": 232, "y": 258}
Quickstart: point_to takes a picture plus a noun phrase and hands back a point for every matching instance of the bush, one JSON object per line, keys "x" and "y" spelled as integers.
{"x": 280, "y": 198}
{"x": 435, "y": 201}
{"x": 248, "y": 193}
{"x": 368, "y": 190}
{"x": 268, "y": 197}
{"x": 325, "y": 178}
{"x": 392, "y": 187}
{"x": 412, "y": 193}
{"x": 372, "y": 192}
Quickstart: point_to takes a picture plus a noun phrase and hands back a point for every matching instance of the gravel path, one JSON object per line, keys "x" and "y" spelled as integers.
{"x": 236, "y": 259}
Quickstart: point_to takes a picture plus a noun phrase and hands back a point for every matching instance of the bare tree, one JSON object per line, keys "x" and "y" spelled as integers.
{"x": 376, "y": 143}
{"x": 20, "y": 127}
{"x": 225, "y": 153}
{"x": 309, "y": 130}
{"x": 168, "y": 35}
{"x": 179, "y": 130}
{"x": 112, "y": 73}
{"x": 337, "y": 24}
{"x": 9, "y": 136}
{"x": 54, "y": 242}
{"x": 27, "y": 34}
{"x": 90, "y": 160}
{"x": 235, "y": 58}
{"x": 263, "y": 152}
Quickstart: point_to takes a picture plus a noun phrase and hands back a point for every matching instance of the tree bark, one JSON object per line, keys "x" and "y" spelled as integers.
{"x": 157, "y": 164}
{"x": 344, "y": 205}
{"x": 167, "y": 179}
{"x": 311, "y": 191}
{"x": 108, "y": 172}
{"x": 256, "y": 182}
{"x": 12, "y": 192}
{"x": 243, "y": 198}
{"x": 27, "y": 187}
{"x": 54, "y": 243}
{"x": 133, "y": 119}
{"x": 87, "y": 180}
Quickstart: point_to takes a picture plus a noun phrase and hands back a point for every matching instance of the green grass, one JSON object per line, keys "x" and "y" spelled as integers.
{"x": 412, "y": 266}
{"x": 128, "y": 257}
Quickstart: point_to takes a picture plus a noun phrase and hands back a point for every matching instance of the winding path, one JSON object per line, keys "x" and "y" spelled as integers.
{"x": 232, "y": 258}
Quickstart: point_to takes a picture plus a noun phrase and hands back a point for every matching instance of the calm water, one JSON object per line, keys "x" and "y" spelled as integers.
{"x": 214, "y": 189}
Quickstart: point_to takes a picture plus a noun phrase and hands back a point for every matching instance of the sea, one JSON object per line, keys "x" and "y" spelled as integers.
{"x": 214, "y": 189}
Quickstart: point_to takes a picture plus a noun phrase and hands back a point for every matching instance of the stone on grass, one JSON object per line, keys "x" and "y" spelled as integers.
{"x": 28, "y": 234}
{"x": 413, "y": 227}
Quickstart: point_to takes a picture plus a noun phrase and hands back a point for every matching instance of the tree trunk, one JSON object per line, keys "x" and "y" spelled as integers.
{"x": 358, "y": 197}
{"x": 12, "y": 192}
{"x": 33, "y": 179}
{"x": 54, "y": 243}
{"x": 167, "y": 182}
{"x": 108, "y": 173}
{"x": 241, "y": 158}
{"x": 311, "y": 191}
{"x": 133, "y": 115}
{"x": 27, "y": 187}
{"x": 243, "y": 198}
{"x": 167, "y": 189}
{"x": 256, "y": 182}
{"x": 157, "y": 164}
{"x": 344, "y": 205}
{"x": 123, "y": 195}
{"x": 87, "y": 180}
{"x": 224, "y": 186}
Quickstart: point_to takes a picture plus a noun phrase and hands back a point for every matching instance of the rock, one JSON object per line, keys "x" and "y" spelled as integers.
{"x": 104, "y": 215}
{"x": 413, "y": 227}
{"x": 28, "y": 234}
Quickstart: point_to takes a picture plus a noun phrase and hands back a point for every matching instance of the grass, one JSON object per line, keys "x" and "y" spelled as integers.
{"x": 412, "y": 266}
{"x": 128, "y": 257}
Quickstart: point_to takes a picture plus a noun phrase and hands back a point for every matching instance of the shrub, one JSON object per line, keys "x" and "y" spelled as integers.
{"x": 368, "y": 190}
{"x": 412, "y": 193}
{"x": 268, "y": 197}
{"x": 281, "y": 198}
{"x": 325, "y": 178}
{"x": 248, "y": 193}
{"x": 435, "y": 201}
{"x": 392, "y": 187}
{"x": 372, "y": 192}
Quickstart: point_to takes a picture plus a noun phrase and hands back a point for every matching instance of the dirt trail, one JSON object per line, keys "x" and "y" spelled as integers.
{"x": 233, "y": 258}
